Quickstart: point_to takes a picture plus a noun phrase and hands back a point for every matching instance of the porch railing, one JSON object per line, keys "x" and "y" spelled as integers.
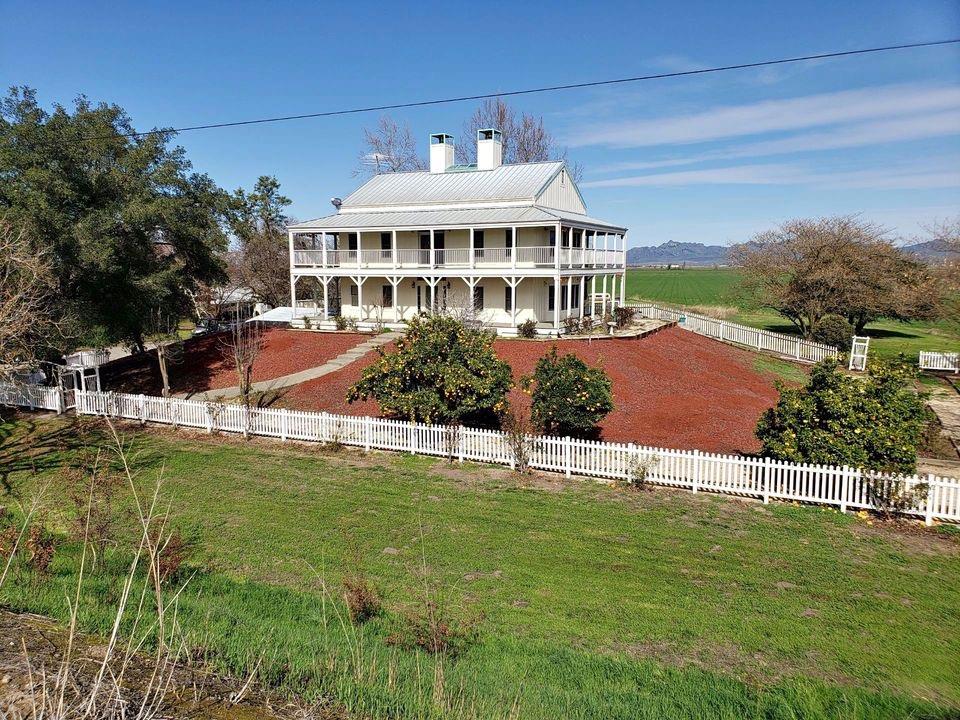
{"x": 525, "y": 257}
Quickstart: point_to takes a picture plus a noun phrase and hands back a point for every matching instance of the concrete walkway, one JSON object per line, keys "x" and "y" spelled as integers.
{"x": 296, "y": 378}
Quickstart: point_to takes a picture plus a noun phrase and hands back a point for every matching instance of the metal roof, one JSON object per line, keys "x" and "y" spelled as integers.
{"x": 422, "y": 219}
{"x": 503, "y": 184}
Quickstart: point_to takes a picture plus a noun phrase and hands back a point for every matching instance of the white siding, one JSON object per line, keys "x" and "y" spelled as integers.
{"x": 561, "y": 194}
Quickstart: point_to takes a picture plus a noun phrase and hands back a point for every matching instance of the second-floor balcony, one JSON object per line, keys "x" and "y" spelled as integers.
{"x": 460, "y": 258}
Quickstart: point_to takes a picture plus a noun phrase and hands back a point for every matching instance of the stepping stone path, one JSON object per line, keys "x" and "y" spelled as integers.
{"x": 296, "y": 378}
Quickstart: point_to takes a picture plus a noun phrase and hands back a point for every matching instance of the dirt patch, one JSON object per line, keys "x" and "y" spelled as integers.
{"x": 204, "y": 366}
{"x": 671, "y": 389}
{"x": 192, "y": 693}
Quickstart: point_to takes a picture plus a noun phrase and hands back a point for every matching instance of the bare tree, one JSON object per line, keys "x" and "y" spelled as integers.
{"x": 261, "y": 258}
{"x": 242, "y": 348}
{"x": 525, "y": 138}
{"x": 31, "y": 323}
{"x": 388, "y": 148}
{"x": 166, "y": 341}
{"x": 806, "y": 269}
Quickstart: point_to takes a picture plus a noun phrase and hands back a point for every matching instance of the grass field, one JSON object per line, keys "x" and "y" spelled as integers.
{"x": 718, "y": 287}
{"x": 595, "y": 601}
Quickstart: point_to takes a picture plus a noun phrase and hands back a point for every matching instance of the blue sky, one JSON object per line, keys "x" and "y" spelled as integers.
{"x": 712, "y": 158}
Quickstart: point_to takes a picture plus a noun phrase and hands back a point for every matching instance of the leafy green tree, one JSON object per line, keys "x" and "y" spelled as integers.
{"x": 440, "y": 372}
{"x": 874, "y": 422}
{"x": 569, "y": 397}
{"x": 131, "y": 231}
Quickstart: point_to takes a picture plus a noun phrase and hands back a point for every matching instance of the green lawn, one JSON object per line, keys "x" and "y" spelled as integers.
{"x": 718, "y": 287}
{"x": 595, "y": 601}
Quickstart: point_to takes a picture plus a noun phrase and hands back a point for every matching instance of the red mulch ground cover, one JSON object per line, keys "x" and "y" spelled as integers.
{"x": 671, "y": 389}
{"x": 205, "y": 367}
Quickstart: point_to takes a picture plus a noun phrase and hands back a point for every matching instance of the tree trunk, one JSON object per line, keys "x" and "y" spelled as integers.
{"x": 162, "y": 359}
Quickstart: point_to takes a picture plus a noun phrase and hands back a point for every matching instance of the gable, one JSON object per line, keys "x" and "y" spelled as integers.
{"x": 561, "y": 193}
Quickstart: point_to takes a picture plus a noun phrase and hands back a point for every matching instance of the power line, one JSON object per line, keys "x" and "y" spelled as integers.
{"x": 528, "y": 91}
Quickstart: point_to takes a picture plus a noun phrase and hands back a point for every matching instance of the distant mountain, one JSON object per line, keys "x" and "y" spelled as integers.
{"x": 677, "y": 253}
{"x": 932, "y": 251}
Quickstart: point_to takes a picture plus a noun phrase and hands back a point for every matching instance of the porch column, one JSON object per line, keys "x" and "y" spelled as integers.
{"x": 513, "y": 252}
{"x": 623, "y": 289}
{"x": 604, "y": 301}
{"x": 393, "y": 242}
{"x": 470, "y": 258}
{"x": 513, "y": 282}
{"x": 326, "y": 298}
{"x": 570, "y": 246}
{"x": 323, "y": 248}
{"x": 359, "y": 248}
{"x": 593, "y": 293}
{"x": 359, "y": 281}
{"x": 293, "y": 295}
{"x": 471, "y": 284}
{"x": 582, "y": 296}
{"x": 557, "y": 246}
{"x": 432, "y": 259}
{"x": 606, "y": 246}
{"x": 394, "y": 283}
{"x": 569, "y": 294}
{"x": 432, "y": 281}
{"x": 556, "y": 300}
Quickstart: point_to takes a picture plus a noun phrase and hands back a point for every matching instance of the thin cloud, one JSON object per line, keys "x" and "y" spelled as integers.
{"x": 904, "y": 129}
{"x": 772, "y": 116}
{"x": 883, "y": 178}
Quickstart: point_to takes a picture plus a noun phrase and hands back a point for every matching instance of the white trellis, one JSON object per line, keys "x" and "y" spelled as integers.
{"x": 858, "y": 353}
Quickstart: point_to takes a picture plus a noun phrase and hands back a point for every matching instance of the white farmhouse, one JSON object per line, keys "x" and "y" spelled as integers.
{"x": 510, "y": 242}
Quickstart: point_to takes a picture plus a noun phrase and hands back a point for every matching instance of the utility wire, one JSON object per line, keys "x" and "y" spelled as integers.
{"x": 528, "y": 91}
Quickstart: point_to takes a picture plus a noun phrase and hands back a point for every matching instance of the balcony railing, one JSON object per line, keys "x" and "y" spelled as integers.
{"x": 521, "y": 257}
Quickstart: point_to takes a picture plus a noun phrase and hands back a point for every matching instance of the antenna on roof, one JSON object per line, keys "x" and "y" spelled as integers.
{"x": 336, "y": 202}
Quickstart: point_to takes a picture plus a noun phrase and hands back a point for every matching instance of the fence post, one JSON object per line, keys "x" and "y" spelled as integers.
{"x": 766, "y": 481}
{"x": 929, "y": 501}
{"x": 632, "y": 456}
{"x": 142, "y": 408}
{"x": 414, "y": 439}
{"x": 283, "y": 424}
{"x": 461, "y": 437}
{"x": 567, "y": 453}
{"x": 367, "y": 433}
{"x": 696, "y": 470}
{"x": 845, "y": 489}
{"x": 208, "y": 411}
{"x": 797, "y": 342}
{"x": 61, "y": 403}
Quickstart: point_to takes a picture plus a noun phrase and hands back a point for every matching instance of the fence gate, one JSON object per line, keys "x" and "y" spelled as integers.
{"x": 858, "y": 353}
{"x": 67, "y": 380}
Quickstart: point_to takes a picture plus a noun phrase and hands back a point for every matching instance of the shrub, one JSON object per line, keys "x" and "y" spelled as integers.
{"x": 833, "y": 330}
{"x": 874, "y": 422}
{"x": 362, "y": 600}
{"x": 569, "y": 397}
{"x": 527, "y": 329}
{"x": 623, "y": 316}
{"x": 440, "y": 372}
{"x": 586, "y": 325}
{"x": 340, "y": 322}
{"x": 571, "y": 325}
{"x": 41, "y": 546}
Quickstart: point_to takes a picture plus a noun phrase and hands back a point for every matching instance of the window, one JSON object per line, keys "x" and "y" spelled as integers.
{"x": 578, "y": 238}
{"x": 563, "y": 297}
{"x": 575, "y": 296}
{"x": 478, "y": 244}
{"x": 351, "y": 241}
{"x": 354, "y": 295}
{"x": 551, "y": 297}
{"x": 553, "y": 237}
{"x": 508, "y": 298}
{"x": 478, "y": 298}
{"x": 388, "y": 296}
{"x": 508, "y": 241}
{"x": 386, "y": 245}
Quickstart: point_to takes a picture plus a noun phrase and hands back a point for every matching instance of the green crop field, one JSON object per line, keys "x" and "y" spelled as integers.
{"x": 589, "y": 601}
{"x": 706, "y": 287}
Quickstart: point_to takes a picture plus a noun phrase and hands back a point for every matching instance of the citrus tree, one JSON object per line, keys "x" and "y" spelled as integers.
{"x": 568, "y": 396}
{"x": 440, "y": 372}
{"x": 874, "y": 422}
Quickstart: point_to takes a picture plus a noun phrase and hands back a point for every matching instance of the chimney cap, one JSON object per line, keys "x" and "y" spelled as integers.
{"x": 441, "y": 139}
{"x": 489, "y": 134}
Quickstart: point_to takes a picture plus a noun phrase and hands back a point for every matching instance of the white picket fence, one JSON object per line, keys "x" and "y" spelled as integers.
{"x": 940, "y": 361}
{"x": 35, "y": 397}
{"x": 764, "y": 478}
{"x": 785, "y": 345}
